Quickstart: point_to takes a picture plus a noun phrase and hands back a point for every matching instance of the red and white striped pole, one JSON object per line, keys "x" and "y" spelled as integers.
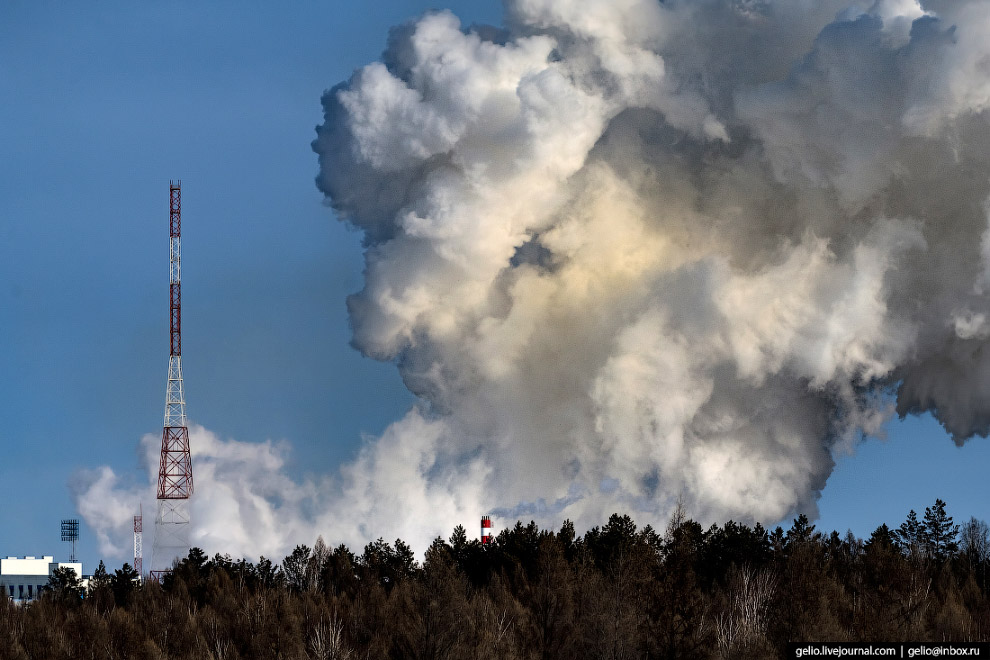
{"x": 486, "y": 530}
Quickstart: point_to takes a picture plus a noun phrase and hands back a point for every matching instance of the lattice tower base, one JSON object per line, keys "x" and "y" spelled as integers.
{"x": 171, "y": 534}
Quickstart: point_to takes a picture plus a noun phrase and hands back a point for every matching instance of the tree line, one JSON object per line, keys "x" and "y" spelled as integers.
{"x": 618, "y": 591}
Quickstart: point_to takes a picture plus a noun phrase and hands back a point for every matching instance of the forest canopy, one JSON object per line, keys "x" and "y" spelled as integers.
{"x": 618, "y": 591}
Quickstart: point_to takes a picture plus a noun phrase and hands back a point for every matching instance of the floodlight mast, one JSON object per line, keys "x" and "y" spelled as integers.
{"x": 70, "y": 532}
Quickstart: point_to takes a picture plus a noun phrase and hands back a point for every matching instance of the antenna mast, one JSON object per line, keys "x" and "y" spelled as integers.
{"x": 138, "y": 543}
{"x": 175, "y": 482}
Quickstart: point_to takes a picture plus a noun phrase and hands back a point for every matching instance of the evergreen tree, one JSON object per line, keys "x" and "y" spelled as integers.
{"x": 100, "y": 578}
{"x": 776, "y": 541}
{"x": 64, "y": 584}
{"x": 801, "y": 531}
{"x": 123, "y": 583}
{"x": 938, "y": 533}
{"x": 566, "y": 535}
{"x": 405, "y": 560}
{"x": 459, "y": 545}
{"x": 910, "y": 535}
{"x": 386, "y": 565}
{"x": 294, "y": 568}
{"x": 881, "y": 538}
{"x": 99, "y": 592}
{"x": 269, "y": 574}
{"x": 192, "y": 571}
{"x": 340, "y": 576}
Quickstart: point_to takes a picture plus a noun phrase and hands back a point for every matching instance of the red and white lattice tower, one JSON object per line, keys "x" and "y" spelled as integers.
{"x": 175, "y": 481}
{"x": 486, "y": 530}
{"x": 138, "y": 545}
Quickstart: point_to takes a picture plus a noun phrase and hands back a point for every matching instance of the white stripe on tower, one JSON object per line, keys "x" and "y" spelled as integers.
{"x": 486, "y": 529}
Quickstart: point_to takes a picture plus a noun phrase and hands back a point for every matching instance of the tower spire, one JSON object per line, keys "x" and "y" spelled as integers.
{"x": 175, "y": 482}
{"x": 138, "y": 544}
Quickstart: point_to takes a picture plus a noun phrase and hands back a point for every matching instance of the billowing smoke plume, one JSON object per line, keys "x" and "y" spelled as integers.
{"x": 628, "y": 252}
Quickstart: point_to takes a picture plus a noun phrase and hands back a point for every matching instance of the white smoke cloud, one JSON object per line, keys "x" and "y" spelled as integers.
{"x": 246, "y": 504}
{"x": 631, "y": 252}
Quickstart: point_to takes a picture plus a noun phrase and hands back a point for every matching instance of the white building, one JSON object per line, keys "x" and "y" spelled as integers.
{"x": 24, "y": 577}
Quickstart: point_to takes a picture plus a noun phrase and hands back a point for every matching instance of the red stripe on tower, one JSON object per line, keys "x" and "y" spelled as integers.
{"x": 175, "y": 481}
{"x": 486, "y": 529}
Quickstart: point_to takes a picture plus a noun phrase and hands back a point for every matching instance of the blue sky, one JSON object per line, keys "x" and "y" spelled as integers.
{"x": 101, "y": 108}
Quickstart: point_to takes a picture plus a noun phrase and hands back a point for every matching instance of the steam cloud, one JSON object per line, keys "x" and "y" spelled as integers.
{"x": 629, "y": 251}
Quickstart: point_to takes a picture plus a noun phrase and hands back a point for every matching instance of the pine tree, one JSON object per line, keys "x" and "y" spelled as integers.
{"x": 269, "y": 574}
{"x": 64, "y": 584}
{"x": 909, "y": 535}
{"x": 801, "y": 531}
{"x": 100, "y": 577}
{"x": 123, "y": 583}
{"x": 881, "y": 538}
{"x": 938, "y": 533}
{"x": 294, "y": 568}
{"x": 458, "y": 546}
